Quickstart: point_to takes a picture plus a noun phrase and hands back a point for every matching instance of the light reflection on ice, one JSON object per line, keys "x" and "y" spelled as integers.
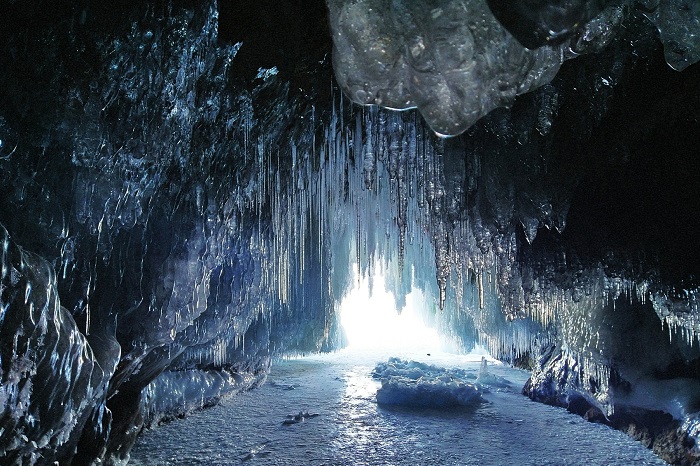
{"x": 357, "y": 412}
{"x": 352, "y": 428}
{"x": 358, "y": 386}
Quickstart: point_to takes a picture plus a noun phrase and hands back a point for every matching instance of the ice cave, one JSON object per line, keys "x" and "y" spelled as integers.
{"x": 192, "y": 191}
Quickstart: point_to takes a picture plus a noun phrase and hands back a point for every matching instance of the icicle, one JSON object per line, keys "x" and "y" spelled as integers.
{"x": 370, "y": 157}
{"x": 480, "y": 288}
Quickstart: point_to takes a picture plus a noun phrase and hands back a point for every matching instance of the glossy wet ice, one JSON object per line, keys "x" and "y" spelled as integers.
{"x": 351, "y": 429}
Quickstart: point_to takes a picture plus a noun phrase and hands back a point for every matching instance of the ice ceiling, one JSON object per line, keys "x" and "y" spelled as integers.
{"x": 189, "y": 189}
{"x": 455, "y": 61}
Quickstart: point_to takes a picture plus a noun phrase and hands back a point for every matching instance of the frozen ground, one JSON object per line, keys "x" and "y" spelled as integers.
{"x": 352, "y": 429}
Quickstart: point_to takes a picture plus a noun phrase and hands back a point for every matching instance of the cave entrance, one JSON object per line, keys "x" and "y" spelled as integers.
{"x": 371, "y": 321}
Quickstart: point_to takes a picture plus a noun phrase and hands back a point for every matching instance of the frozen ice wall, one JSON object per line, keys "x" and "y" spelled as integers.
{"x": 187, "y": 193}
{"x": 176, "y": 234}
{"x": 54, "y": 377}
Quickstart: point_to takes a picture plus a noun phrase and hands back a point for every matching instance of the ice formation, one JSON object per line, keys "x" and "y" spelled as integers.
{"x": 177, "y": 209}
{"x": 183, "y": 251}
{"x": 297, "y": 418}
{"x": 452, "y": 60}
{"x": 457, "y": 60}
{"x": 54, "y": 377}
{"x": 678, "y": 22}
{"x": 419, "y": 385}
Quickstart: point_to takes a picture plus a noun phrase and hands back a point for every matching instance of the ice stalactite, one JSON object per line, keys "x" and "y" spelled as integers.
{"x": 680, "y": 312}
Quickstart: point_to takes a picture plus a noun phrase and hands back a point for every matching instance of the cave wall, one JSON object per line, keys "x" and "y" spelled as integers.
{"x": 156, "y": 247}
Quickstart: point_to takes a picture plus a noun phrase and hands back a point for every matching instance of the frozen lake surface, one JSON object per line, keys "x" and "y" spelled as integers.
{"x": 352, "y": 429}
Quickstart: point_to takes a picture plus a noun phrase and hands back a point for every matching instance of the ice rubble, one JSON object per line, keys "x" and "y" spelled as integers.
{"x": 420, "y": 385}
{"x": 455, "y": 61}
{"x": 297, "y": 418}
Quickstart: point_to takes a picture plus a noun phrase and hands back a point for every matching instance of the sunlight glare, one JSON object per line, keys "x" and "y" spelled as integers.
{"x": 372, "y": 322}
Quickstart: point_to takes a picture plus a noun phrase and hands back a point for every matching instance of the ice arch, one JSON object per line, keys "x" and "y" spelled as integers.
{"x": 180, "y": 208}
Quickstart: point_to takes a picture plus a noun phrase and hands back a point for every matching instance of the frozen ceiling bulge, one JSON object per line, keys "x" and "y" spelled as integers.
{"x": 455, "y": 61}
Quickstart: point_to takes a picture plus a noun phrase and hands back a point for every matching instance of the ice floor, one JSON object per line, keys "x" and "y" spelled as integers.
{"x": 352, "y": 429}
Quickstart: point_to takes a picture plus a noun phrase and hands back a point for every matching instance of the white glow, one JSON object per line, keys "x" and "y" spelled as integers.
{"x": 372, "y": 322}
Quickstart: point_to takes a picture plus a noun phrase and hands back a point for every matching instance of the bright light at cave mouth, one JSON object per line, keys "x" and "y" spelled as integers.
{"x": 372, "y": 322}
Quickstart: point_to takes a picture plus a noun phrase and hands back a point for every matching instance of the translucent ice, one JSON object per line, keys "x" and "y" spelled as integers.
{"x": 678, "y": 22}
{"x": 455, "y": 61}
{"x": 450, "y": 59}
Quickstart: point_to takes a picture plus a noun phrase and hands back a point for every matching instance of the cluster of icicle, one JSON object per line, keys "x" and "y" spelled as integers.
{"x": 383, "y": 195}
{"x": 393, "y": 193}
